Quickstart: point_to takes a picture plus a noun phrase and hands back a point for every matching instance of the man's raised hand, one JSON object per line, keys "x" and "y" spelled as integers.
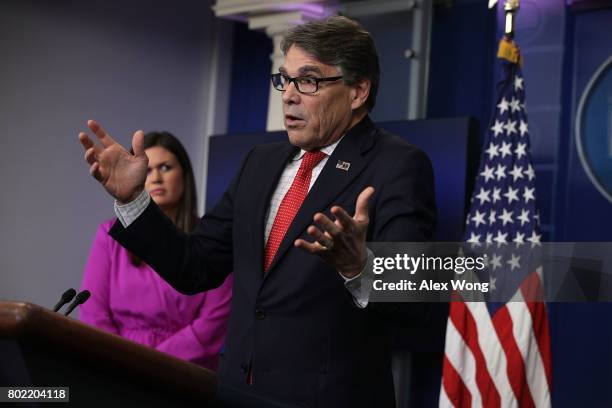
{"x": 342, "y": 243}
{"x": 121, "y": 173}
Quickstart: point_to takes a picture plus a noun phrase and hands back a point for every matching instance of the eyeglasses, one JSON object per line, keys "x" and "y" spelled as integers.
{"x": 305, "y": 84}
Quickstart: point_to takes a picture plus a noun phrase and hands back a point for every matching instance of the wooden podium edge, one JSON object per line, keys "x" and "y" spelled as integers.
{"x": 25, "y": 321}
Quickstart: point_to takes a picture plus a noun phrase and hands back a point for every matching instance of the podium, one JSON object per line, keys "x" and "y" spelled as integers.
{"x": 40, "y": 348}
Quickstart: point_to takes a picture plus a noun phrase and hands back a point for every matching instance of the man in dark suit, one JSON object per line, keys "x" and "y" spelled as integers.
{"x": 293, "y": 226}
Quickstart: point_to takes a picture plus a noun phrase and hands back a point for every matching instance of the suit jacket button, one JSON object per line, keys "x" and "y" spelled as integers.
{"x": 260, "y": 314}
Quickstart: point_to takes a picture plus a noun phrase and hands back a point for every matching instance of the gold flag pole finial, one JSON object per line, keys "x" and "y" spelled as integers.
{"x": 507, "y": 48}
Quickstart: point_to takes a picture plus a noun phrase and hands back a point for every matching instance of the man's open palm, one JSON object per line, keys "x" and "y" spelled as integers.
{"x": 121, "y": 173}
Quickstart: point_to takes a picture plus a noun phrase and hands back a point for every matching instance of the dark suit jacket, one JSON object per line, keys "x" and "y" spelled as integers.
{"x": 297, "y": 325}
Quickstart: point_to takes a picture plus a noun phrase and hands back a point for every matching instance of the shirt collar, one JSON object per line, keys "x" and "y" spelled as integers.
{"x": 328, "y": 150}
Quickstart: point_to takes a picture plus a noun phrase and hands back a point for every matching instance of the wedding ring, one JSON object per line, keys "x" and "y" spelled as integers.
{"x": 329, "y": 246}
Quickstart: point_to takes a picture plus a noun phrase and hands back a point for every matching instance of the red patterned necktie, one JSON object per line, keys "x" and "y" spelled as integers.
{"x": 291, "y": 204}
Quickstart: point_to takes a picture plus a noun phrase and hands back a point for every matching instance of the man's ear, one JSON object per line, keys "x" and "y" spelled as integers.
{"x": 361, "y": 91}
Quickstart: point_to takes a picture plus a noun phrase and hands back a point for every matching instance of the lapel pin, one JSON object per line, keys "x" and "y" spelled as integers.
{"x": 342, "y": 165}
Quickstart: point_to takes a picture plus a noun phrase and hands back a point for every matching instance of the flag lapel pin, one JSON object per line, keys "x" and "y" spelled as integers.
{"x": 342, "y": 165}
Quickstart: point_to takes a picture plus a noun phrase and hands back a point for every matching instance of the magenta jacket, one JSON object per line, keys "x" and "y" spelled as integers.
{"x": 135, "y": 303}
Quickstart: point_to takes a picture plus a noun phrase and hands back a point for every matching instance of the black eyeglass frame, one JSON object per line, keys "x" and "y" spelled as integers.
{"x": 295, "y": 81}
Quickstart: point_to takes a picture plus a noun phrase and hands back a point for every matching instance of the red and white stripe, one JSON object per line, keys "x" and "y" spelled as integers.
{"x": 498, "y": 361}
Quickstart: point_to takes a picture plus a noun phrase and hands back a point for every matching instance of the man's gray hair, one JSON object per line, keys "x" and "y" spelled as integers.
{"x": 341, "y": 42}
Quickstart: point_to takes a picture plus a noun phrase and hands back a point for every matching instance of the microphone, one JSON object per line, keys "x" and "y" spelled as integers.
{"x": 66, "y": 297}
{"x": 79, "y": 300}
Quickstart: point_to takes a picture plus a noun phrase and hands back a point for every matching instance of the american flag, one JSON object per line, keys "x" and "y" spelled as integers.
{"x": 497, "y": 354}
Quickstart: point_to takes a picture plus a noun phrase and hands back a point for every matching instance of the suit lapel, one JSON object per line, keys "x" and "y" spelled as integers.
{"x": 269, "y": 170}
{"x": 331, "y": 182}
